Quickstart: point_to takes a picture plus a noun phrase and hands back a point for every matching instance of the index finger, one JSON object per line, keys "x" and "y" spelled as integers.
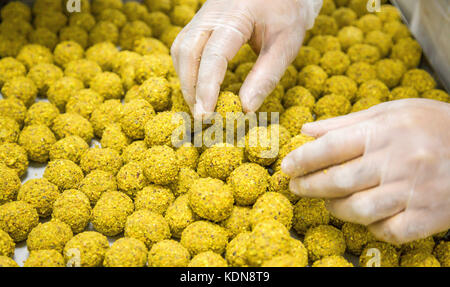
{"x": 319, "y": 128}
{"x": 220, "y": 49}
{"x": 333, "y": 148}
{"x": 186, "y": 53}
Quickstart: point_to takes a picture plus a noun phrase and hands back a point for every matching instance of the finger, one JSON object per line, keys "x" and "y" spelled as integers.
{"x": 187, "y": 52}
{"x": 175, "y": 49}
{"x": 410, "y": 225}
{"x": 341, "y": 180}
{"x": 371, "y": 205}
{"x": 335, "y": 147}
{"x": 274, "y": 58}
{"x": 221, "y": 48}
{"x": 320, "y": 128}
{"x": 403, "y": 227}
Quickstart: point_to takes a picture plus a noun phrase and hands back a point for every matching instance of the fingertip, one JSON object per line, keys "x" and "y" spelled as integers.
{"x": 259, "y": 83}
{"x": 188, "y": 97}
{"x": 199, "y": 110}
{"x": 292, "y": 163}
{"x": 309, "y": 129}
{"x": 388, "y": 230}
{"x": 293, "y": 187}
{"x": 329, "y": 205}
{"x": 376, "y": 230}
{"x": 287, "y": 166}
{"x": 299, "y": 187}
{"x": 251, "y": 104}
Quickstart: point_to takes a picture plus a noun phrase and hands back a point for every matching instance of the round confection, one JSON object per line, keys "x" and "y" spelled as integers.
{"x": 155, "y": 198}
{"x": 10, "y": 68}
{"x": 295, "y": 117}
{"x": 168, "y": 253}
{"x": 37, "y": 140}
{"x": 71, "y": 124}
{"x": 211, "y": 199}
{"x": 164, "y": 129}
{"x": 73, "y": 208}
{"x": 60, "y": 91}
{"x": 44, "y": 258}
{"x": 84, "y": 70}
{"x": 313, "y": 78}
{"x": 408, "y": 51}
{"x": 44, "y": 75}
{"x": 356, "y": 237}
{"x": 126, "y": 252}
{"x": 102, "y": 32}
{"x": 106, "y": 159}
{"x": 108, "y": 85}
{"x": 75, "y": 34}
{"x": 52, "y": 235}
{"x": 332, "y": 261}
{"x": 63, "y": 173}
{"x": 208, "y": 259}
{"x": 21, "y": 88}
{"x": 238, "y": 221}
{"x": 335, "y": 62}
{"x": 113, "y": 137}
{"x": 83, "y": 102}
{"x": 86, "y": 249}
{"x": 41, "y": 113}
{"x": 70, "y": 147}
{"x": 361, "y": 72}
{"x": 419, "y": 79}
{"x": 66, "y": 52}
{"x": 110, "y": 213}
{"x": 272, "y": 205}
{"x": 324, "y": 240}
{"x": 18, "y": 218}
{"x": 39, "y": 193}
{"x": 136, "y": 114}
{"x": 179, "y": 215}
{"x": 13, "y": 108}
{"x": 268, "y": 239}
{"x": 219, "y": 161}
{"x": 309, "y": 212}
{"x": 108, "y": 112}
{"x": 7, "y": 245}
{"x": 248, "y": 182}
{"x": 133, "y": 31}
{"x": 147, "y": 226}
{"x": 156, "y": 91}
{"x": 160, "y": 165}
{"x": 332, "y": 104}
{"x": 9, "y": 184}
{"x": 33, "y": 54}
{"x": 202, "y": 236}
{"x": 97, "y": 182}
{"x": 103, "y": 54}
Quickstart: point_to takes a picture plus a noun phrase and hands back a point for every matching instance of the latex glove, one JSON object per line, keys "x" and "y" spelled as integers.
{"x": 387, "y": 167}
{"x": 203, "y": 48}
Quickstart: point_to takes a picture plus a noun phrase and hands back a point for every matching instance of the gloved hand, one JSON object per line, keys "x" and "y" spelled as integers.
{"x": 203, "y": 48}
{"x": 387, "y": 167}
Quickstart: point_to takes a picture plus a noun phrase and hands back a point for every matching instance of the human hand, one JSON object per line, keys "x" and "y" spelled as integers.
{"x": 203, "y": 48}
{"x": 387, "y": 167}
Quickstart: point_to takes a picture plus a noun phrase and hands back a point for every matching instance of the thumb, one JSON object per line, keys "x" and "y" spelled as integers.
{"x": 274, "y": 58}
